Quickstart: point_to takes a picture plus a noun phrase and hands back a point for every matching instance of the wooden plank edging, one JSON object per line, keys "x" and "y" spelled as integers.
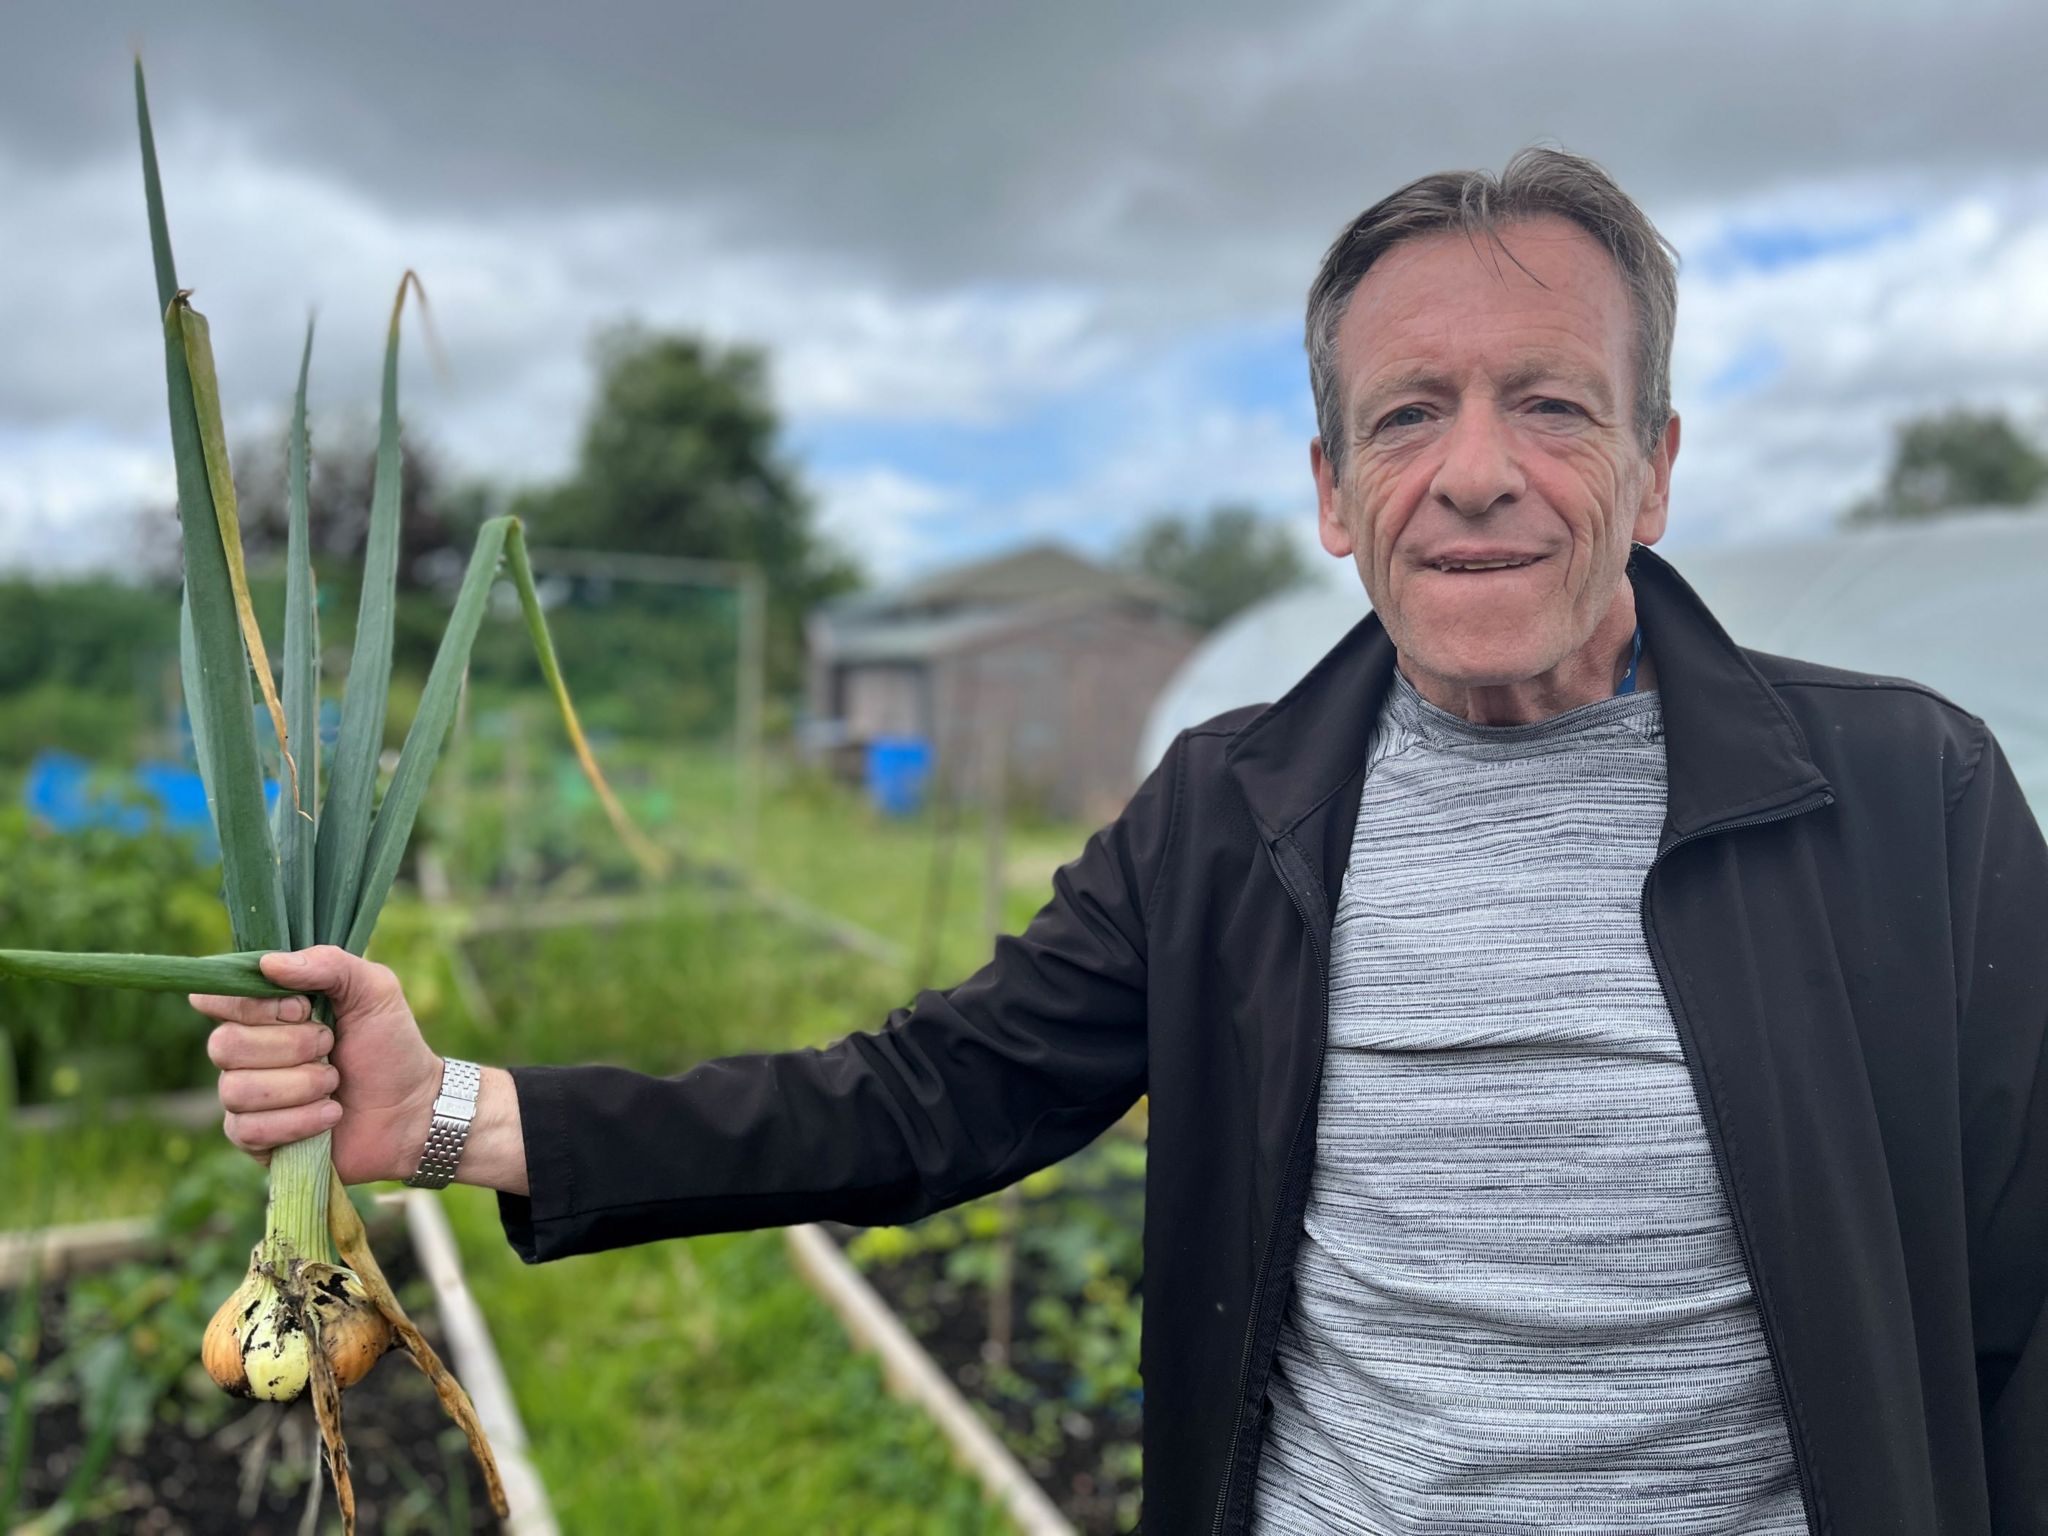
{"x": 912, "y": 1374}
{"x": 191, "y": 1109}
{"x": 477, "y": 1364}
{"x": 60, "y": 1251}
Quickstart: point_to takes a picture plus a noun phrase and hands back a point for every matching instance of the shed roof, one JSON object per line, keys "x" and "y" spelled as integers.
{"x": 1035, "y": 572}
{"x": 911, "y": 640}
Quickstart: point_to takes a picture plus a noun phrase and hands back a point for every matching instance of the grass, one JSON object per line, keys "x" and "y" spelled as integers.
{"x": 701, "y": 1386}
{"x": 817, "y": 841}
{"x": 91, "y": 1171}
{"x": 682, "y": 1386}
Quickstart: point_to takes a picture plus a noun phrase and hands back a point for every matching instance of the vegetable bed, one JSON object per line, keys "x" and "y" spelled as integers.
{"x": 1066, "y": 1395}
{"x": 107, "y": 1424}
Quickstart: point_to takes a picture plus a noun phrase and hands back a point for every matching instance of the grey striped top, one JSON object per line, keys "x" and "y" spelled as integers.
{"x": 1519, "y": 1304}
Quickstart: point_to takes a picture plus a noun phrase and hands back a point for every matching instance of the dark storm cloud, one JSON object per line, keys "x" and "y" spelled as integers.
{"x": 953, "y": 213}
{"x": 945, "y": 143}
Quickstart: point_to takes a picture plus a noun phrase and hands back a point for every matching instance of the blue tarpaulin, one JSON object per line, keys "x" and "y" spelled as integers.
{"x": 69, "y": 794}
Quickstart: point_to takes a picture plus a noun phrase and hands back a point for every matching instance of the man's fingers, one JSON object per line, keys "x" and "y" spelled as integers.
{"x": 276, "y": 1088}
{"x": 253, "y": 1010}
{"x": 350, "y": 982}
{"x": 234, "y": 1047}
{"x": 258, "y": 1133}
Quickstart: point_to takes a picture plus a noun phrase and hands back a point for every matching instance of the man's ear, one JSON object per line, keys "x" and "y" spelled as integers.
{"x": 1655, "y": 508}
{"x": 1330, "y": 526}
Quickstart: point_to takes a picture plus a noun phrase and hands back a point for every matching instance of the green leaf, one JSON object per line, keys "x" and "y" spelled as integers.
{"x": 153, "y": 195}
{"x": 344, "y": 834}
{"x": 650, "y": 858}
{"x": 299, "y": 830}
{"x": 236, "y": 975}
{"x": 429, "y": 732}
{"x": 502, "y": 536}
{"x": 215, "y": 665}
{"x": 188, "y": 679}
{"x": 197, "y": 337}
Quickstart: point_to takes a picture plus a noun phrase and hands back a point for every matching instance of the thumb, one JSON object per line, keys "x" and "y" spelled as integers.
{"x": 351, "y": 983}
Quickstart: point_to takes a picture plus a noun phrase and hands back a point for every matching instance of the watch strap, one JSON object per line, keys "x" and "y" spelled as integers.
{"x": 454, "y": 1112}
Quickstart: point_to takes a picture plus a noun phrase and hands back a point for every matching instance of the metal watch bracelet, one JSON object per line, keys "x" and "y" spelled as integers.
{"x": 454, "y": 1110}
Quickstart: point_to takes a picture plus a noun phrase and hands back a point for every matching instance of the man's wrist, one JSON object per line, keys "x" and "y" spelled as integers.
{"x": 495, "y": 1155}
{"x": 418, "y": 1120}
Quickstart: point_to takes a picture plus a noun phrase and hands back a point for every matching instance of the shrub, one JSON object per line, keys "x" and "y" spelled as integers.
{"x": 102, "y": 889}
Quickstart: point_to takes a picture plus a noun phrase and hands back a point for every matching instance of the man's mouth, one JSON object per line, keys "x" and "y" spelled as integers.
{"x": 1510, "y": 564}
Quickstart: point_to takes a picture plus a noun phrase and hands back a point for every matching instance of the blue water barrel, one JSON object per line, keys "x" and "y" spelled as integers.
{"x": 899, "y": 770}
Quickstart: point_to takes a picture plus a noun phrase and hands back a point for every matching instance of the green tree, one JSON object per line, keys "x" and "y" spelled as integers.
{"x": 681, "y": 456}
{"x": 1223, "y": 562}
{"x": 1955, "y": 461}
{"x": 439, "y": 519}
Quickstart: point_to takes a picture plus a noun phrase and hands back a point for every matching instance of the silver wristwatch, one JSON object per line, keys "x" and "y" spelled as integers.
{"x": 454, "y": 1109}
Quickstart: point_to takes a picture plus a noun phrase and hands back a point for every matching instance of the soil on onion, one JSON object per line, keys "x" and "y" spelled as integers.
{"x": 411, "y": 1468}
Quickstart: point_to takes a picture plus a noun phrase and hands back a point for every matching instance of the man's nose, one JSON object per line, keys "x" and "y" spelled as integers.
{"x": 1478, "y": 470}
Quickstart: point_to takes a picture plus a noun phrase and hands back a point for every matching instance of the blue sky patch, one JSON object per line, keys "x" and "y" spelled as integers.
{"x": 1749, "y": 370}
{"x": 1775, "y": 247}
{"x": 1062, "y": 440}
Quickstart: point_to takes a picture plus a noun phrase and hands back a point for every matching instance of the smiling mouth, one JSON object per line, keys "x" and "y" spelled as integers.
{"x": 1483, "y": 565}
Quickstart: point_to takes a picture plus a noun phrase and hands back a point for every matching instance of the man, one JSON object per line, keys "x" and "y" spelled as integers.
{"x": 1596, "y": 1071}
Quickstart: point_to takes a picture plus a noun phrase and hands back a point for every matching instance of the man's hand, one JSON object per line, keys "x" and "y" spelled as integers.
{"x": 376, "y": 1090}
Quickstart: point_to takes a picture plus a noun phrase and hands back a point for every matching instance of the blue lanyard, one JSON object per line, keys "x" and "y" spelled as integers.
{"x": 1628, "y": 678}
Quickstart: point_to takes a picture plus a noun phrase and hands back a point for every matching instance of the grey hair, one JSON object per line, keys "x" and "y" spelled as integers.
{"x": 1536, "y": 182}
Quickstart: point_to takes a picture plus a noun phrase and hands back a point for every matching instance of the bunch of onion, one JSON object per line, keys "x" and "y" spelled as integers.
{"x": 314, "y": 1313}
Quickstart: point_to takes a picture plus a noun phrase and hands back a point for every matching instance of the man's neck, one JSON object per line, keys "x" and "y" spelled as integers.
{"x": 1592, "y": 673}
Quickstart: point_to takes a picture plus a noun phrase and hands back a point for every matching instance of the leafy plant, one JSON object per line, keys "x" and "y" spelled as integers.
{"x": 108, "y": 889}
{"x": 314, "y": 1311}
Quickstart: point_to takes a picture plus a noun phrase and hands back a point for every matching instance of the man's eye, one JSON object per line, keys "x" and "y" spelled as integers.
{"x": 1406, "y": 416}
{"x": 1557, "y": 407}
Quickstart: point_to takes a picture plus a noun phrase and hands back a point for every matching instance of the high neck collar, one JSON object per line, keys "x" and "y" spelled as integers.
{"x": 1633, "y": 715}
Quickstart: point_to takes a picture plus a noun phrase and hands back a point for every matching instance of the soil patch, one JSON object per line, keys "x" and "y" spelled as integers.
{"x": 1065, "y": 1399}
{"x": 193, "y": 1471}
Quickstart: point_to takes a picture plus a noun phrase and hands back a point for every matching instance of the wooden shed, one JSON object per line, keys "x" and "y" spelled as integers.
{"x": 1048, "y": 656}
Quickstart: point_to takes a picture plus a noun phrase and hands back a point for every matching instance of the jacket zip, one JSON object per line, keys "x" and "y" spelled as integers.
{"x": 1287, "y": 1175}
{"x": 1713, "y": 1129}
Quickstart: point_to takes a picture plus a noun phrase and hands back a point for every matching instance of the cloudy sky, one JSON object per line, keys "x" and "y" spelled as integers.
{"x": 1024, "y": 270}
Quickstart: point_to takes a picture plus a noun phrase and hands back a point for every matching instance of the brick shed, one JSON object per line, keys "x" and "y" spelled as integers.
{"x": 1057, "y": 658}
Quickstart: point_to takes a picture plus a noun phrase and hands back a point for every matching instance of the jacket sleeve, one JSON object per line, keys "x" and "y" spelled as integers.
{"x": 958, "y": 1094}
{"x": 1998, "y": 867}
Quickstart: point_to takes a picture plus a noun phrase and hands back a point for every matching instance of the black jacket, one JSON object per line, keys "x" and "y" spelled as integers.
{"x": 1849, "y": 914}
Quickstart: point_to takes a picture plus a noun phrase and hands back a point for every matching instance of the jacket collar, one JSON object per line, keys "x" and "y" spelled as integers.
{"x": 1732, "y": 749}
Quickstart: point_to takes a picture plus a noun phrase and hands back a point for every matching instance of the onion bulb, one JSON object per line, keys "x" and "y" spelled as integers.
{"x": 260, "y": 1342}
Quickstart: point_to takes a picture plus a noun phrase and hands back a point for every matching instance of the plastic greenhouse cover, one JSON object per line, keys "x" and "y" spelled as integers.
{"x": 1960, "y": 605}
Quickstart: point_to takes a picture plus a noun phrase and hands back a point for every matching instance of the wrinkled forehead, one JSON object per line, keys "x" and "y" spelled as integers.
{"x": 1452, "y": 302}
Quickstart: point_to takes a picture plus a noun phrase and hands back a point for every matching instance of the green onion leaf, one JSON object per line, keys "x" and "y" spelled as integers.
{"x": 216, "y": 665}
{"x": 220, "y": 476}
{"x": 429, "y": 733}
{"x": 235, "y": 975}
{"x": 298, "y": 829}
{"x": 344, "y": 834}
{"x": 651, "y": 859}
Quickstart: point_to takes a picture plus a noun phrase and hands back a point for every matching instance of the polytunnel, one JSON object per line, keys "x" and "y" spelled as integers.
{"x": 1960, "y": 604}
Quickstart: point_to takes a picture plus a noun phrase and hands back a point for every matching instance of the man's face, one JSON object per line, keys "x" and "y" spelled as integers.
{"x": 1487, "y": 412}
